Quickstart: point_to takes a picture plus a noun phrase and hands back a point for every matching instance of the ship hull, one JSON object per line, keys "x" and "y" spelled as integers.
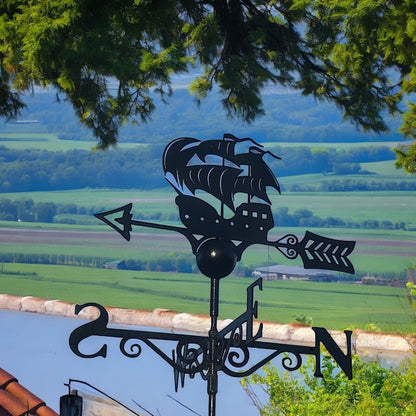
{"x": 250, "y": 224}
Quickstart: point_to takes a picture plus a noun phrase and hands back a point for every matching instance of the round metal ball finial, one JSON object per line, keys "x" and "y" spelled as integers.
{"x": 216, "y": 258}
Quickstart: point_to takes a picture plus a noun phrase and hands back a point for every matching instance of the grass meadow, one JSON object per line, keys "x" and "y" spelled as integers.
{"x": 385, "y": 168}
{"x": 332, "y": 305}
{"x": 329, "y": 145}
{"x": 48, "y": 141}
{"x": 377, "y": 251}
{"x": 354, "y": 206}
{"x": 397, "y": 206}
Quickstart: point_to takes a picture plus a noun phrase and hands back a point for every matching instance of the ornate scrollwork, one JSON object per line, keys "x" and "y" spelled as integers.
{"x": 238, "y": 358}
{"x": 190, "y": 358}
{"x": 236, "y": 352}
{"x": 287, "y": 245}
{"x": 135, "y": 349}
{"x": 228, "y": 350}
{"x": 289, "y": 363}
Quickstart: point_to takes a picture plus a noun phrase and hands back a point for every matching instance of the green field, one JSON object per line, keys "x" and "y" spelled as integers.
{"x": 354, "y": 206}
{"x": 377, "y": 252}
{"x": 394, "y": 206}
{"x": 47, "y": 141}
{"x": 334, "y": 145}
{"x": 150, "y": 201}
{"x": 332, "y": 305}
{"x": 385, "y": 168}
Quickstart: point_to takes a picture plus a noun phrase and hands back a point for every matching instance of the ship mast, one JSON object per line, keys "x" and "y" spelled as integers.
{"x": 249, "y": 175}
{"x": 223, "y": 164}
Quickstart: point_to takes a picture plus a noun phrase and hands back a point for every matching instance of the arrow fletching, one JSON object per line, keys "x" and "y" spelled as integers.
{"x": 110, "y": 218}
{"x": 319, "y": 252}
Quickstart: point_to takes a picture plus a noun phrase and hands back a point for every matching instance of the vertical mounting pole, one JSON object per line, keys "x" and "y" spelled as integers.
{"x": 216, "y": 259}
{"x": 212, "y": 384}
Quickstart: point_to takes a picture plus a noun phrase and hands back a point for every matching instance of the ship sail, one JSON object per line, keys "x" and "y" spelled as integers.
{"x": 224, "y": 148}
{"x": 214, "y": 166}
{"x": 177, "y": 155}
{"x": 252, "y": 187}
{"x": 216, "y": 180}
{"x": 259, "y": 175}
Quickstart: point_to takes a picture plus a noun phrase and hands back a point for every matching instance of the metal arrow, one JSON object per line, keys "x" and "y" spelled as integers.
{"x": 316, "y": 252}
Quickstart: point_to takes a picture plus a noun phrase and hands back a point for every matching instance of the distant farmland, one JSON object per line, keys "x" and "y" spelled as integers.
{"x": 394, "y": 206}
{"x": 375, "y": 253}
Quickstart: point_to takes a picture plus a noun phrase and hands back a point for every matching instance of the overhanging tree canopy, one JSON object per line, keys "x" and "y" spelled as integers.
{"x": 358, "y": 54}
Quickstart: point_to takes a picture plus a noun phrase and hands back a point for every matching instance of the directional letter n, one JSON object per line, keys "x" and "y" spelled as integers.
{"x": 343, "y": 360}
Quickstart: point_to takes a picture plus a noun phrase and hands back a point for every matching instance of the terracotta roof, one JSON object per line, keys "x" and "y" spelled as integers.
{"x": 15, "y": 400}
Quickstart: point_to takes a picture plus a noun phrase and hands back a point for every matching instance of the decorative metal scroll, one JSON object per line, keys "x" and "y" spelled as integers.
{"x": 205, "y": 174}
{"x": 234, "y": 343}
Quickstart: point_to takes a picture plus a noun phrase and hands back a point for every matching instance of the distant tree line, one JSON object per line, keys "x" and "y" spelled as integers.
{"x": 141, "y": 167}
{"x": 42, "y": 170}
{"x": 173, "y": 262}
{"x": 306, "y": 218}
{"x": 349, "y": 185}
{"x": 61, "y": 259}
{"x": 304, "y": 159}
{"x": 28, "y": 211}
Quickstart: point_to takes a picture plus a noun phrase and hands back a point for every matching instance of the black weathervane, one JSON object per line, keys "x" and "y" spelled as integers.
{"x": 205, "y": 173}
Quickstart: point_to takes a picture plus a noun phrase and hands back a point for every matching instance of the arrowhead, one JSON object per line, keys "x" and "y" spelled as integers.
{"x": 110, "y": 218}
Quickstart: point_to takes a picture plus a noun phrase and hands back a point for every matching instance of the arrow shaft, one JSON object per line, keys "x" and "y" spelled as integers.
{"x": 184, "y": 231}
{"x": 181, "y": 230}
